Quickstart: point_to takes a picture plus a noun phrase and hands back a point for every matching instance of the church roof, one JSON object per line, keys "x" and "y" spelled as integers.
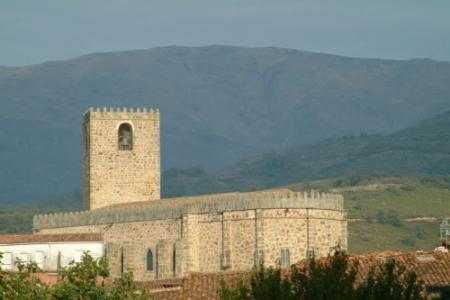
{"x": 49, "y": 238}
{"x": 177, "y": 207}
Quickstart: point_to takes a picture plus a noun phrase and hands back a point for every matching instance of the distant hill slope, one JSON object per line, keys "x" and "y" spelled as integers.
{"x": 424, "y": 148}
{"x": 218, "y": 104}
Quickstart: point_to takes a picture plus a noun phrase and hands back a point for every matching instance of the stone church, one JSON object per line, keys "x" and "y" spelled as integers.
{"x": 165, "y": 238}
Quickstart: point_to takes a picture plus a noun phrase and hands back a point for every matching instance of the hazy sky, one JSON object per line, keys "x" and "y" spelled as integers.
{"x": 34, "y": 31}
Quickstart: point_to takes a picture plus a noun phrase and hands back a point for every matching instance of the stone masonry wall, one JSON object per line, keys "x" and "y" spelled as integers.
{"x": 214, "y": 242}
{"x": 227, "y": 232}
{"x": 233, "y": 240}
{"x": 160, "y": 236}
{"x": 300, "y": 230}
{"x": 127, "y": 244}
{"x": 327, "y": 230}
{"x": 114, "y": 176}
{"x": 242, "y": 239}
{"x": 209, "y": 247}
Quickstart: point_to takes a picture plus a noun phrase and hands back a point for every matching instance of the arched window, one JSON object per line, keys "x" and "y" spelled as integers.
{"x": 125, "y": 137}
{"x": 149, "y": 261}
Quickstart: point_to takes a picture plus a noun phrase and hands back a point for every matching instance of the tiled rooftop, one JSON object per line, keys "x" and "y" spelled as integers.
{"x": 48, "y": 238}
{"x": 433, "y": 268}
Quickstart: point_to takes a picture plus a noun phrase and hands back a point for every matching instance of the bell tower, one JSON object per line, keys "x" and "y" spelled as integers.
{"x": 121, "y": 156}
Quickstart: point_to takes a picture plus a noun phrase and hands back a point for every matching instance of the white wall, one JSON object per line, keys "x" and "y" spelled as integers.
{"x": 46, "y": 254}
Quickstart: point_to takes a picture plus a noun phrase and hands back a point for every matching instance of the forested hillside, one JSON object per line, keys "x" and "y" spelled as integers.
{"x": 424, "y": 148}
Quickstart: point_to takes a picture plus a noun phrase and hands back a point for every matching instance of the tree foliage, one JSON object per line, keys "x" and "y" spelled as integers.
{"x": 333, "y": 279}
{"x": 79, "y": 281}
{"x": 22, "y": 285}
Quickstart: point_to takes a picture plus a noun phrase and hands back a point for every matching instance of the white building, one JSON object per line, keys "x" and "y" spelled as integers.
{"x": 49, "y": 251}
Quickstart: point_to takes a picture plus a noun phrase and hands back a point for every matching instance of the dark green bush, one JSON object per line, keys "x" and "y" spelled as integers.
{"x": 354, "y": 180}
{"x": 393, "y": 219}
{"x": 419, "y": 232}
{"x": 409, "y": 240}
{"x": 408, "y": 188}
{"x": 380, "y": 217}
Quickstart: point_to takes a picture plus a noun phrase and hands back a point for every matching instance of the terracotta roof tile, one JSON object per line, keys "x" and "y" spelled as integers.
{"x": 162, "y": 283}
{"x": 431, "y": 267}
{"x": 46, "y": 238}
{"x": 434, "y": 270}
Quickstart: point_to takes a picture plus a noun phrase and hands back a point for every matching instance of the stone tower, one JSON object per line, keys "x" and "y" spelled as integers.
{"x": 121, "y": 156}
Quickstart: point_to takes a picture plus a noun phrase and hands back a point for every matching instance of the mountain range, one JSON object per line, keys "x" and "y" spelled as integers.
{"x": 218, "y": 104}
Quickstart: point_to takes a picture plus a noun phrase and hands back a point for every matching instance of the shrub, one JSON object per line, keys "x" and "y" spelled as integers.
{"x": 357, "y": 206}
{"x": 393, "y": 219}
{"x": 392, "y": 189}
{"x": 368, "y": 218}
{"x": 409, "y": 240}
{"x": 419, "y": 232}
{"x": 408, "y": 188}
{"x": 79, "y": 281}
{"x": 380, "y": 217}
{"x": 354, "y": 180}
{"x": 338, "y": 182}
{"x": 364, "y": 238}
{"x": 21, "y": 285}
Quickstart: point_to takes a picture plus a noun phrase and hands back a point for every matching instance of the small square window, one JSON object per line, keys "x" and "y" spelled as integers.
{"x": 39, "y": 258}
{"x": 24, "y": 257}
{"x": 7, "y": 261}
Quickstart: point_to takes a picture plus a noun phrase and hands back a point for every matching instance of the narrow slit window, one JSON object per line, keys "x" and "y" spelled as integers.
{"x": 174, "y": 261}
{"x": 125, "y": 137}
{"x": 149, "y": 261}
{"x": 285, "y": 259}
{"x": 122, "y": 267}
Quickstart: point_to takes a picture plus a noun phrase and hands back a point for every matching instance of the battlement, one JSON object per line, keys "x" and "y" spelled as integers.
{"x": 111, "y": 113}
{"x": 177, "y": 207}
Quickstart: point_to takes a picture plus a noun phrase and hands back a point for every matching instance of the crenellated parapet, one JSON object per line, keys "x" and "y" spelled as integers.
{"x": 177, "y": 207}
{"x": 121, "y": 113}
